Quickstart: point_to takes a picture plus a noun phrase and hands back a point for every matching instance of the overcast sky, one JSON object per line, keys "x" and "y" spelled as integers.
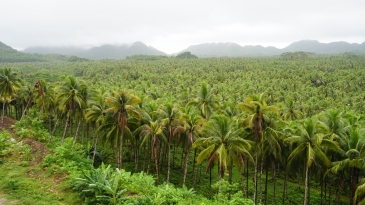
{"x": 173, "y": 25}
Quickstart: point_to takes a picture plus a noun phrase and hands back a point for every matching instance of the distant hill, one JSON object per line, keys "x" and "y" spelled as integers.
{"x": 235, "y": 50}
{"x": 8, "y": 54}
{"x": 230, "y": 50}
{"x": 325, "y": 48}
{"x": 101, "y": 52}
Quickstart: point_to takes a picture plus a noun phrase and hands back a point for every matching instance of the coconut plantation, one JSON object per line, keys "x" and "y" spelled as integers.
{"x": 285, "y": 129}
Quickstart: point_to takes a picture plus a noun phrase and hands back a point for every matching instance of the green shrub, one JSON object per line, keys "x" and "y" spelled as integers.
{"x": 5, "y": 143}
{"x": 31, "y": 128}
{"x": 68, "y": 158}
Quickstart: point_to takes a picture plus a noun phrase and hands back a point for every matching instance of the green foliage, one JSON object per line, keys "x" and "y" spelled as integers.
{"x": 186, "y": 55}
{"x": 5, "y": 143}
{"x": 107, "y": 186}
{"x": 145, "y": 57}
{"x": 29, "y": 185}
{"x": 102, "y": 185}
{"x": 229, "y": 193}
{"x": 76, "y": 59}
{"x": 31, "y": 128}
{"x": 297, "y": 55}
{"x": 68, "y": 158}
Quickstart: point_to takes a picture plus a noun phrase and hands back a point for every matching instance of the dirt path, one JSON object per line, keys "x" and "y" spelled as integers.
{"x": 4, "y": 201}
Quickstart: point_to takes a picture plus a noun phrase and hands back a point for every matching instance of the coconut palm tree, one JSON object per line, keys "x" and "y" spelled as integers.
{"x": 259, "y": 116}
{"x": 353, "y": 158}
{"x": 192, "y": 124}
{"x": 9, "y": 84}
{"x": 309, "y": 142}
{"x": 289, "y": 111}
{"x": 121, "y": 104}
{"x": 169, "y": 114}
{"x": 153, "y": 134}
{"x": 222, "y": 142}
{"x": 205, "y": 101}
{"x": 71, "y": 98}
{"x": 95, "y": 112}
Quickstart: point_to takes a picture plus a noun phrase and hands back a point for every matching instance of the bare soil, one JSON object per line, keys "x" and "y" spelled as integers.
{"x": 39, "y": 151}
{"x": 8, "y": 122}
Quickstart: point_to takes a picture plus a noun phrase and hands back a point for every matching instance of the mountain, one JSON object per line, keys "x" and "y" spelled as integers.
{"x": 101, "y": 52}
{"x": 235, "y": 50}
{"x": 8, "y": 54}
{"x": 230, "y": 50}
{"x": 325, "y": 48}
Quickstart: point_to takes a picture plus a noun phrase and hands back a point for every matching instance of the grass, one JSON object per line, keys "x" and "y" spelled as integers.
{"x": 29, "y": 185}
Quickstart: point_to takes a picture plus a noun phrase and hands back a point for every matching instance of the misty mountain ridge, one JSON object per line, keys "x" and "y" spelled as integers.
{"x": 228, "y": 49}
{"x": 235, "y": 50}
{"x": 100, "y": 52}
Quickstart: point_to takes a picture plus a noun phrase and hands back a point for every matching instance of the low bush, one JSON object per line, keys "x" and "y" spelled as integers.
{"x": 31, "y": 128}
{"x": 69, "y": 158}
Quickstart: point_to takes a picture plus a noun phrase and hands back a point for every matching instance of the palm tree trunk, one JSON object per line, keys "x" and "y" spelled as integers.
{"x": 189, "y": 143}
{"x": 210, "y": 182}
{"x": 77, "y": 132}
{"x": 136, "y": 157}
{"x": 156, "y": 159}
{"x": 242, "y": 175}
{"x": 230, "y": 173}
{"x": 2, "y": 117}
{"x": 121, "y": 151}
{"x": 195, "y": 150}
{"x": 173, "y": 156}
{"x": 321, "y": 184}
{"x": 329, "y": 192}
{"x": 64, "y": 131}
{"x": 55, "y": 126}
{"x": 255, "y": 177}
{"x": 168, "y": 154}
{"x": 285, "y": 192}
{"x": 26, "y": 107}
{"x": 246, "y": 179}
{"x": 261, "y": 169}
{"x": 186, "y": 164}
{"x": 338, "y": 188}
{"x": 52, "y": 132}
{"x": 306, "y": 185}
{"x": 267, "y": 177}
{"x": 96, "y": 142}
{"x": 149, "y": 158}
{"x": 274, "y": 179}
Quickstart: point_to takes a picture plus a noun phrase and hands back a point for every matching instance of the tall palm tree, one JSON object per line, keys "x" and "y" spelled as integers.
{"x": 192, "y": 124}
{"x": 95, "y": 112}
{"x": 9, "y": 84}
{"x": 121, "y": 104}
{"x": 309, "y": 142}
{"x": 170, "y": 117}
{"x": 353, "y": 158}
{"x": 153, "y": 133}
{"x": 71, "y": 98}
{"x": 223, "y": 142}
{"x": 259, "y": 116}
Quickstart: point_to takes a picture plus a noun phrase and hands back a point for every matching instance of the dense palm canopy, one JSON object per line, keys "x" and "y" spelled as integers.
{"x": 145, "y": 109}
